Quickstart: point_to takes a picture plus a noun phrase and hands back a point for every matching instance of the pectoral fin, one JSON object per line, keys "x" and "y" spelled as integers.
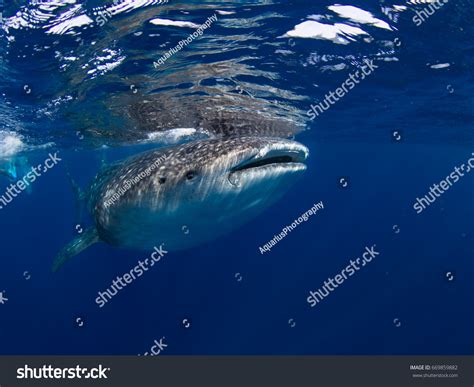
{"x": 77, "y": 245}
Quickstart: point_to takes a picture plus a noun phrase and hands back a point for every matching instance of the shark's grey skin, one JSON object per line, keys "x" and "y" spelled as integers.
{"x": 205, "y": 187}
{"x": 159, "y": 115}
{"x": 161, "y": 118}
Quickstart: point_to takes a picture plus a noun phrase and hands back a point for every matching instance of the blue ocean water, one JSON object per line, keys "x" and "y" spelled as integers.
{"x": 73, "y": 84}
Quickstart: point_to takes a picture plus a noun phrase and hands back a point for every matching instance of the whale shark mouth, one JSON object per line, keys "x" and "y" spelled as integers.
{"x": 275, "y": 157}
{"x": 272, "y": 161}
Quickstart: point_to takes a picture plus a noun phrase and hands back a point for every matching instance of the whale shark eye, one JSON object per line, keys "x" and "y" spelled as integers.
{"x": 191, "y": 175}
{"x": 162, "y": 180}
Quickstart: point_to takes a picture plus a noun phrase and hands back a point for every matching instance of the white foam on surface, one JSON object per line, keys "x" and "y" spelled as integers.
{"x": 359, "y": 16}
{"x": 440, "y": 66}
{"x": 10, "y": 144}
{"x": 225, "y": 12}
{"x": 338, "y": 33}
{"x": 66, "y": 26}
{"x": 173, "y": 23}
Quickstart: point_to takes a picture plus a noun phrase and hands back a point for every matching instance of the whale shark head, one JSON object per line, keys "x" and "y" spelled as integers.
{"x": 194, "y": 192}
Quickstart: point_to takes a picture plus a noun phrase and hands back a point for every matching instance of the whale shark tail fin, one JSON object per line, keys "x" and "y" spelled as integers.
{"x": 77, "y": 245}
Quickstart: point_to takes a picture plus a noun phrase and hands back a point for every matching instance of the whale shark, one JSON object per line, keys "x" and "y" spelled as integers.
{"x": 187, "y": 194}
{"x": 164, "y": 119}
{"x": 253, "y": 118}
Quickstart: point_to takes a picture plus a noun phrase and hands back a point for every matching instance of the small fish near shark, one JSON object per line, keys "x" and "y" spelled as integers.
{"x": 211, "y": 186}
